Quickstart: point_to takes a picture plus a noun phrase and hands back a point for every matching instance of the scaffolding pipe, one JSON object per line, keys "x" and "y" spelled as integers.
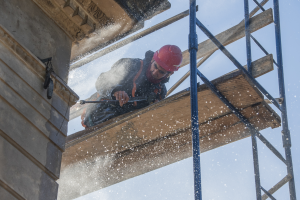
{"x": 207, "y": 56}
{"x": 262, "y": 48}
{"x": 257, "y": 8}
{"x": 186, "y": 75}
{"x": 260, "y": 6}
{"x": 236, "y": 63}
{"x": 193, "y": 48}
{"x": 240, "y": 116}
{"x": 253, "y": 137}
{"x": 278, "y": 185}
{"x": 268, "y": 194}
{"x": 247, "y": 36}
{"x": 286, "y": 138}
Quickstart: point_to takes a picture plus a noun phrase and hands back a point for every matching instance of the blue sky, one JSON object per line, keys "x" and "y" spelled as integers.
{"x": 227, "y": 172}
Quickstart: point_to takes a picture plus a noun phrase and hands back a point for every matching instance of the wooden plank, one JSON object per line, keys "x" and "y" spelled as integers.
{"x": 159, "y": 134}
{"x": 24, "y": 177}
{"x": 234, "y": 86}
{"x": 230, "y": 35}
{"x": 259, "y": 67}
{"x": 177, "y": 145}
{"x": 31, "y": 105}
{"x": 27, "y": 136}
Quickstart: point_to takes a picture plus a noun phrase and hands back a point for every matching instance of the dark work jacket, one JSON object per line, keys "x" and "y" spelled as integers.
{"x": 120, "y": 78}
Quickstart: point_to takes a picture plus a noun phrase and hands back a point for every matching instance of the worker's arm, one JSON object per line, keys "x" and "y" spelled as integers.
{"x": 116, "y": 77}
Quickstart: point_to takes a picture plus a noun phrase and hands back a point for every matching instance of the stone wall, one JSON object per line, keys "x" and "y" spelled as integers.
{"x": 37, "y": 32}
{"x": 33, "y": 129}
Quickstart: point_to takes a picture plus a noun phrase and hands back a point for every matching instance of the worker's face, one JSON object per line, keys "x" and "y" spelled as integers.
{"x": 157, "y": 71}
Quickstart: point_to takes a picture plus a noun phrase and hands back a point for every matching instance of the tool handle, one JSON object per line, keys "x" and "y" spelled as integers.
{"x": 102, "y": 101}
{"x": 114, "y": 101}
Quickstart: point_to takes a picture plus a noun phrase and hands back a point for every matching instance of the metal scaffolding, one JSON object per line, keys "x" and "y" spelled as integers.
{"x": 193, "y": 48}
{"x": 279, "y": 103}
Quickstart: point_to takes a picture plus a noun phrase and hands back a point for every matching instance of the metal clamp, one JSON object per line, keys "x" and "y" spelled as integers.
{"x": 48, "y": 84}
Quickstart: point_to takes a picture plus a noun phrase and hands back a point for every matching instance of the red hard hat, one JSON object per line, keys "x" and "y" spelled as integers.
{"x": 168, "y": 57}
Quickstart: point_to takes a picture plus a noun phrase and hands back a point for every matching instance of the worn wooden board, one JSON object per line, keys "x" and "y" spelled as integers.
{"x": 230, "y": 35}
{"x": 166, "y": 149}
{"x": 259, "y": 67}
{"x": 234, "y": 87}
{"x": 178, "y": 146}
{"x": 161, "y": 118}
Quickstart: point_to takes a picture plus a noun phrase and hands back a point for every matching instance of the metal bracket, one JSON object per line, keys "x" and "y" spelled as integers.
{"x": 48, "y": 84}
{"x": 193, "y": 42}
{"x": 267, "y": 193}
{"x": 286, "y": 138}
{"x": 279, "y": 100}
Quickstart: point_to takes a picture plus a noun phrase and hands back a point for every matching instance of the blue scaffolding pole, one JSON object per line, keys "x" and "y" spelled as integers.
{"x": 193, "y": 47}
{"x": 286, "y": 137}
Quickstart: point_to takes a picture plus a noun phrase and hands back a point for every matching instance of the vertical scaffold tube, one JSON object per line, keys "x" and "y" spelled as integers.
{"x": 193, "y": 48}
{"x": 247, "y": 34}
{"x": 286, "y": 138}
{"x": 253, "y": 136}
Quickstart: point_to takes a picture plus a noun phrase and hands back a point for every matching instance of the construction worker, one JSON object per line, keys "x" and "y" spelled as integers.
{"x": 133, "y": 78}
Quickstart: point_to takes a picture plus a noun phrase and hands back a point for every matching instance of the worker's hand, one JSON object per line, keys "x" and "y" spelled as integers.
{"x": 122, "y": 96}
